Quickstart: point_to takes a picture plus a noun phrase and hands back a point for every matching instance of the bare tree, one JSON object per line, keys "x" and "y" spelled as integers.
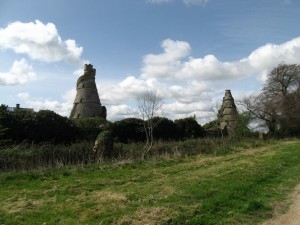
{"x": 263, "y": 108}
{"x": 277, "y": 104}
{"x": 149, "y": 106}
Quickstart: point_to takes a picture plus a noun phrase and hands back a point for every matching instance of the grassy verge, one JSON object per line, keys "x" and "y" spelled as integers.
{"x": 234, "y": 188}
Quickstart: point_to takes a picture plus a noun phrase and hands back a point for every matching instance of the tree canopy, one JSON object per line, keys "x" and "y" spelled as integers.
{"x": 278, "y": 103}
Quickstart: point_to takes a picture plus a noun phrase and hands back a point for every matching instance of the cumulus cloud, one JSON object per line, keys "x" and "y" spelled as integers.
{"x": 189, "y": 85}
{"x": 128, "y": 89}
{"x": 40, "y": 42}
{"x": 119, "y": 112}
{"x": 62, "y": 107}
{"x": 19, "y": 73}
{"x": 174, "y": 64}
{"x": 169, "y": 62}
{"x": 183, "y": 108}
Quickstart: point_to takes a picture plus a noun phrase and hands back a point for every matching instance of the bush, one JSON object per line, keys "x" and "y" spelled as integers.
{"x": 42, "y": 126}
{"x": 189, "y": 128}
{"x": 89, "y": 127}
{"x": 49, "y": 126}
{"x": 164, "y": 129}
{"x": 129, "y": 130}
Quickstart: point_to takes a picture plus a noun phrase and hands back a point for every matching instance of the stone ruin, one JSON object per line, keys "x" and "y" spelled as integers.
{"x": 228, "y": 114}
{"x": 87, "y": 102}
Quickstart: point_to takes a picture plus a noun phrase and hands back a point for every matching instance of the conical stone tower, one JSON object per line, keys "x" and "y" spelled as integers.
{"x": 87, "y": 102}
{"x": 228, "y": 114}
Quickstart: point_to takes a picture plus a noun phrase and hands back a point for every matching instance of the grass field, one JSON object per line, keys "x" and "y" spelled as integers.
{"x": 240, "y": 187}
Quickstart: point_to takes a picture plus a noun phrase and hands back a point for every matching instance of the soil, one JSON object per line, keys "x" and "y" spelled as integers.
{"x": 292, "y": 216}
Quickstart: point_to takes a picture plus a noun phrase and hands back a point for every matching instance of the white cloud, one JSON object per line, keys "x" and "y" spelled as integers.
{"x": 172, "y": 63}
{"x": 270, "y": 55}
{"x": 194, "y": 91}
{"x": 189, "y": 85}
{"x": 128, "y": 89}
{"x": 119, "y": 112}
{"x": 186, "y": 108}
{"x": 63, "y": 108}
{"x": 80, "y": 71}
{"x": 19, "y": 73}
{"x": 40, "y": 42}
{"x": 168, "y": 63}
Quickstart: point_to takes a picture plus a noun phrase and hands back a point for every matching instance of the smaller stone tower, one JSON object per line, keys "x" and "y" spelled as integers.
{"x": 228, "y": 114}
{"x": 87, "y": 102}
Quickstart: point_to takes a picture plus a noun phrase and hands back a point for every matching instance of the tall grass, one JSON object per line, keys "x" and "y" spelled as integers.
{"x": 28, "y": 156}
{"x": 34, "y": 156}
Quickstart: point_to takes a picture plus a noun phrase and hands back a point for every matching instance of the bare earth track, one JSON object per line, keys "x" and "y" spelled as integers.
{"x": 292, "y": 216}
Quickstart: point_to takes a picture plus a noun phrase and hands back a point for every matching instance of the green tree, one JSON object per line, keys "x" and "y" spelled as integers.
{"x": 23, "y": 126}
{"x": 50, "y": 126}
{"x": 89, "y": 126}
{"x": 128, "y": 130}
{"x": 277, "y": 104}
{"x": 165, "y": 129}
{"x": 290, "y": 120}
{"x": 282, "y": 80}
{"x": 241, "y": 129}
{"x": 3, "y": 129}
{"x": 189, "y": 128}
{"x": 42, "y": 126}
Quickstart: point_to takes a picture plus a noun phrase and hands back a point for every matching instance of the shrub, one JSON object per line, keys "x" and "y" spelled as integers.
{"x": 164, "y": 129}
{"x": 189, "y": 128}
{"x": 42, "y": 126}
{"x": 89, "y": 127}
{"x": 129, "y": 130}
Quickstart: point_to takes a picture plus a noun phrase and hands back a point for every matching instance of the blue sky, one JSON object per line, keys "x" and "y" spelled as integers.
{"x": 188, "y": 51}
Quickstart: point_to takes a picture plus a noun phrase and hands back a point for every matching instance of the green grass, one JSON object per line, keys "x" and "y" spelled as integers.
{"x": 236, "y": 187}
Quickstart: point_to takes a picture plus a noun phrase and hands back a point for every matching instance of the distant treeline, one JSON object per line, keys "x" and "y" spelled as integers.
{"x": 30, "y": 140}
{"x": 47, "y": 126}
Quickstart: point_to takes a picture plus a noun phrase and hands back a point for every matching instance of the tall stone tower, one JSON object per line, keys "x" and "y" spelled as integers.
{"x": 87, "y": 102}
{"x": 228, "y": 114}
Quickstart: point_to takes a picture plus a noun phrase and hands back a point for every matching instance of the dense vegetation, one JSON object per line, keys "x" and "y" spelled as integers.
{"x": 47, "y": 126}
{"x": 42, "y": 126}
{"x": 41, "y": 139}
{"x": 240, "y": 186}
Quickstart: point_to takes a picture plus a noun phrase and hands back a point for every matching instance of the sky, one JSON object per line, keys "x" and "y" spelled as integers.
{"x": 187, "y": 51}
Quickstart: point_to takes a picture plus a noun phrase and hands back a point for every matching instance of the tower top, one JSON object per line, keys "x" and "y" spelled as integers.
{"x": 88, "y": 69}
{"x": 228, "y": 94}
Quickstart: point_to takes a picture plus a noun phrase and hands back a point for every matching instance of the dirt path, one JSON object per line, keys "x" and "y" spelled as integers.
{"x": 292, "y": 216}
